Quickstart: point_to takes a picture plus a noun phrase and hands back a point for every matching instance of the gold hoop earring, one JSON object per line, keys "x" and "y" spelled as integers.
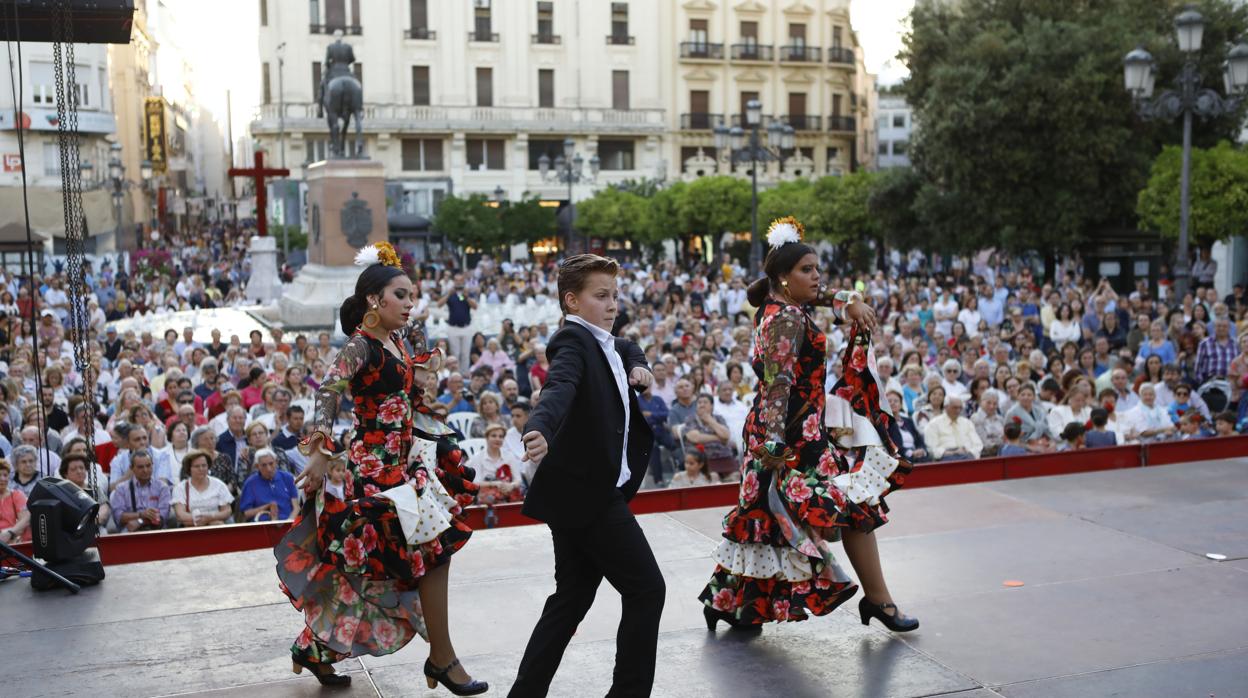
{"x": 371, "y": 319}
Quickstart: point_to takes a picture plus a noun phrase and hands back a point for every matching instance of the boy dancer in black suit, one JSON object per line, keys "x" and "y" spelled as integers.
{"x": 592, "y": 446}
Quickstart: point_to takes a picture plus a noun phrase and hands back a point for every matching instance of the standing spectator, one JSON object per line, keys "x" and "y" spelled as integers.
{"x": 1204, "y": 269}
{"x": 14, "y": 516}
{"x": 268, "y": 494}
{"x": 200, "y": 499}
{"x": 142, "y": 502}
{"x": 459, "y": 307}
{"x": 952, "y": 436}
{"x": 1214, "y": 354}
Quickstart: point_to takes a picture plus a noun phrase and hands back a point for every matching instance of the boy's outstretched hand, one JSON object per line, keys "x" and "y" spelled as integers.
{"x": 535, "y": 447}
{"x": 641, "y": 378}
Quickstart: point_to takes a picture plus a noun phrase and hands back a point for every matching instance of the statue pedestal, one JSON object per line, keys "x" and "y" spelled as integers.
{"x": 264, "y": 287}
{"x": 347, "y": 211}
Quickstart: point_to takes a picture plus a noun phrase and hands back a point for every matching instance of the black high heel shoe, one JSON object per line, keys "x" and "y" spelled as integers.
{"x": 895, "y": 622}
{"x": 442, "y": 676}
{"x": 713, "y": 617}
{"x": 323, "y": 672}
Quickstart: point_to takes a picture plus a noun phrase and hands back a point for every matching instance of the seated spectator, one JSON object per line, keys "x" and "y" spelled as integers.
{"x": 904, "y": 432}
{"x": 269, "y": 494}
{"x": 45, "y": 458}
{"x": 25, "y": 469}
{"x": 1224, "y": 423}
{"x": 489, "y": 411}
{"x": 1182, "y": 404}
{"x": 495, "y": 359}
{"x": 706, "y": 429}
{"x": 200, "y": 499}
{"x": 951, "y": 380}
{"x": 1191, "y": 426}
{"x": 655, "y": 412}
{"x": 142, "y": 501}
{"x": 291, "y": 433}
{"x": 1148, "y": 421}
{"x": 510, "y": 390}
{"x": 275, "y": 418}
{"x": 952, "y": 436}
{"x": 1074, "y": 408}
{"x": 695, "y": 472}
{"x": 1100, "y": 435}
{"x": 929, "y": 407}
{"x": 456, "y": 397}
{"x": 14, "y": 516}
{"x": 513, "y": 442}
{"x": 989, "y": 423}
{"x": 734, "y": 412}
{"x": 1073, "y": 437}
{"x": 74, "y": 468}
{"x": 1012, "y": 434}
{"x": 497, "y": 471}
{"x": 136, "y": 439}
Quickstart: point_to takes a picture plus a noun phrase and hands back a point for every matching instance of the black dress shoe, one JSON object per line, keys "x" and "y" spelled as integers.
{"x": 896, "y": 621}
{"x": 437, "y": 676}
{"x": 323, "y": 672}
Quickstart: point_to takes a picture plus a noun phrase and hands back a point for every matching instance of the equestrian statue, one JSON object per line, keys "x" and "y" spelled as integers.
{"x": 342, "y": 97}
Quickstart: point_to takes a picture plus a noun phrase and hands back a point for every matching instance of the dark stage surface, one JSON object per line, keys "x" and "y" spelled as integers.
{"x": 1119, "y": 600}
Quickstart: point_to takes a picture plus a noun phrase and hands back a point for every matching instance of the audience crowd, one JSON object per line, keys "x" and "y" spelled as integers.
{"x": 982, "y": 358}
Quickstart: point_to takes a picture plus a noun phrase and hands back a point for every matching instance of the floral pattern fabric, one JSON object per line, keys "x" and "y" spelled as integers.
{"x": 345, "y": 563}
{"x": 773, "y": 530}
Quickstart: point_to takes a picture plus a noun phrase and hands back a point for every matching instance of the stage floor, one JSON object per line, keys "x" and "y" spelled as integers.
{"x": 1119, "y": 600}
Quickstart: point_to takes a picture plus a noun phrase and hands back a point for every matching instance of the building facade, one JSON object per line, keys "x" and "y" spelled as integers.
{"x": 894, "y": 126}
{"x": 800, "y": 59}
{"x": 466, "y": 97}
{"x": 43, "y": 162}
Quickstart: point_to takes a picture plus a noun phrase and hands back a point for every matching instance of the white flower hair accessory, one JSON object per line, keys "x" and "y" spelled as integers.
{"x": 378, "y": 253}
{"x": 782, "y": 231}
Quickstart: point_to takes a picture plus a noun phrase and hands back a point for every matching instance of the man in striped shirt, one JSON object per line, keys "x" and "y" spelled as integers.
{"x": 1214, "y": 355}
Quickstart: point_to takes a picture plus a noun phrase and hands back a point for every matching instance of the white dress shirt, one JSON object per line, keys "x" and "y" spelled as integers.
{"x": 606, "y": 342}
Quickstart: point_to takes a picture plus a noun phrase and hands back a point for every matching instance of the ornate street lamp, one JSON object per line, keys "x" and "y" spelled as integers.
{"x": 569, "y": 167}
{"x": 780, "y": 137}
{"x": 1139, "y": 73}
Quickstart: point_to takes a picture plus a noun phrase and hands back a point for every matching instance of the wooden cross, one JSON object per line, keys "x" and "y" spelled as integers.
{"x": 258, "y": 174}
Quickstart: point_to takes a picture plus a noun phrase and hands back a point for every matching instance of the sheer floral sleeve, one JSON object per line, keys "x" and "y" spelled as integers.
{"x": 836, "y": 300}
{"x": 352, "y": 356}
{"x": 415, "y": 333}
{"x": 781, "y": 338}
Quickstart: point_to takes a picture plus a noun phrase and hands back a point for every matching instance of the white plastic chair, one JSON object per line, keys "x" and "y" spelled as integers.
{"x": 472, "y": 447}
{"x": 461, "y": 421}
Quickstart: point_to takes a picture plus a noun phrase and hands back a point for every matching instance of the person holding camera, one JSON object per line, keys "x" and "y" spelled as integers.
{"x": 142, "y": 503}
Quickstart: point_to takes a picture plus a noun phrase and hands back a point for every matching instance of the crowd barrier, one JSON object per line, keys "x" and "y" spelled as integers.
{"x": 193, "y": 542}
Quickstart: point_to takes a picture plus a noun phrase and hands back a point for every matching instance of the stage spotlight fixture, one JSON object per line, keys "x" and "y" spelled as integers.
{"x": 63, "y": 531}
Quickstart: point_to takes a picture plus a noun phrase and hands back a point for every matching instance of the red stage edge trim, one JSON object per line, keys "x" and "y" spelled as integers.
{"x": 212, "y": 540}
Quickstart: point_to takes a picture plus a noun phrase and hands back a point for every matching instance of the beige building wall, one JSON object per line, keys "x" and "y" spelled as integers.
{"x": 800, "y": 57}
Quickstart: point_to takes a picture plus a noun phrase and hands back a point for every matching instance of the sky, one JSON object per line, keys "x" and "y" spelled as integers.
{"x": 221, "y": 39}
{"x": 880, "y": 25}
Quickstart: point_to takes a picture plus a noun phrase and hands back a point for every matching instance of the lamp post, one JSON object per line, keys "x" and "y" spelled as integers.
{"x": 1139, "y": 74}
{"x": 569, "y": 167}
{"x": 281, "y": 101}
{"x": 117, "y": 173}
{"x": 780, "y": 137}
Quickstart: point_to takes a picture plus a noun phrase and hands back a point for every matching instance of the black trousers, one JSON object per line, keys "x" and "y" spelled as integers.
{"x": 613, "y": 547}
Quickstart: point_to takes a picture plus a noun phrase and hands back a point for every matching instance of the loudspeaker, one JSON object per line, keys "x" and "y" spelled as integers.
{"x": 92, "y": 21}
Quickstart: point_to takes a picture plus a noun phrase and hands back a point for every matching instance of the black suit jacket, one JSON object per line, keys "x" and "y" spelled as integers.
{"x": 581, "y": 416}
{"x": 226, "y": 443}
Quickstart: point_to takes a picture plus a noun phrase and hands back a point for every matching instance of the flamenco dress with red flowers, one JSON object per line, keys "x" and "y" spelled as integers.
{"x": 347, "y": 562}
{"x": 773, "y": 564}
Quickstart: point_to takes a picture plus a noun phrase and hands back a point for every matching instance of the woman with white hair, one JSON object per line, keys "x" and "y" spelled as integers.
{"x": 989, "y": 423}
{"x": 494, "y": 357}
{"x": 951, "y": 379}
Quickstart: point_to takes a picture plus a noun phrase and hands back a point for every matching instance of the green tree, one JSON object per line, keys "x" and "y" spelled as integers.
{"x": 1026, "y": 138}
{"x": 526, "y": 222}
{"x": 794, "y": 198}
{"x": 892, "y": 204}
{"x": 662, "y": 221}
{"x": 716, "y": 205}
{"x": 469, "y": 222}
{"x": 1219, "y": 194}
{"x": 613, "y": 213}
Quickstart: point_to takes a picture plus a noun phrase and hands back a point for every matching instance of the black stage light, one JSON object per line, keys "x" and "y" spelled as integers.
{"x": 63, "y": 532}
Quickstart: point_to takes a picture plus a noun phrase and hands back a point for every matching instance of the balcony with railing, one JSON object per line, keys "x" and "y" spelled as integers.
{"x": 387, "y": 118}
{"x": 549, "y": 39}
{"x": 351, "y": 30}
{"x": 700, "y": 121}
{"x": 753, "y": 52}
{"x": 420, "y": 34}
{"x": 804, "y": 122}
{"x": 740, "y": 120}
{"x": 701, "y": 50}
{"x": 483, "y": 37}
{"x": 842, "y": 123}
{"x": 838, "y": 54}
{"x": 620, "y": 40}
{"x": 800, "y": 54}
